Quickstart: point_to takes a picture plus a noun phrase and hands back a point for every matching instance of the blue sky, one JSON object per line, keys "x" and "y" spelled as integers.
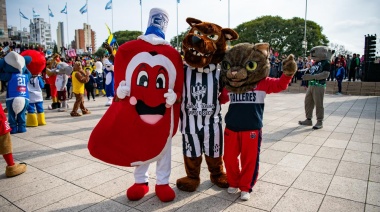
{"x": 344, "y": 22}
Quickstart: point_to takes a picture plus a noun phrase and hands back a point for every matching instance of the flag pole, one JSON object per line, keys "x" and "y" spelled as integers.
{"x": 19, "y": 14}
{"x": 49, "y": 16}
{"x": 141, "y": 15}
{"x": 112, "y": 14}
{"x": 177, "y": 26}
{"x": 87, "y": 10}
{"x": 67, "y": 26}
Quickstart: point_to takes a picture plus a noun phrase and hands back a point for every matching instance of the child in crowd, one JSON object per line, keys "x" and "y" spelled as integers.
{"x": 90, "y": 86}
{"x": 339, "y": 77}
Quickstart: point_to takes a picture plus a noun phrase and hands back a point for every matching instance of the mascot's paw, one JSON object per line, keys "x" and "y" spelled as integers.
{"x": 14, "y": 130}
{"x": 16, "y": 169}
{"x": 137, "y": 191}
{"x": 123, "y": 90}
{"x": 289, "y": 66}
{"x": 220, "y": 180}
{"x": 85, "y": 112}
{"x": 165, "y": 193}
{"x": 306, "y": 122}
{"x": 188, "y": 184}
{"x": 170, "y": 98}
{"x": 75, "y": 114}
{"x": 21, "y": 129}
{"x": 318, "y": 125}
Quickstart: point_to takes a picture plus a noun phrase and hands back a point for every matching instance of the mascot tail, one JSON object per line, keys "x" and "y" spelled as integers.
{"x": 18, "y": 104}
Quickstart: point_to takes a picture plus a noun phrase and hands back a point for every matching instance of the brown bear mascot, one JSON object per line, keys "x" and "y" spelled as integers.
{"x": 201, "y": 122}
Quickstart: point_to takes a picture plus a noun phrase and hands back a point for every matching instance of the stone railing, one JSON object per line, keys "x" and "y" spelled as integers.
{"x": 357, "y": 88}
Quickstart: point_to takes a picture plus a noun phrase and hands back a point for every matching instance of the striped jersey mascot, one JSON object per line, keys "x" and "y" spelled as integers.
{"x": 201, "y": 121}
{"x": 144, "y": 114}
{"x": 245, "y": 70}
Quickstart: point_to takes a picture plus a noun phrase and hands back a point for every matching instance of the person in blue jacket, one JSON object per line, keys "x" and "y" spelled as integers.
{"x": 339, "y": 77}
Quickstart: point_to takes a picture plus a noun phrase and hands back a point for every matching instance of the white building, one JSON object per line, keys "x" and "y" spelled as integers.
{"x": 60, "y": 36}
{"x": 40, "y": 32}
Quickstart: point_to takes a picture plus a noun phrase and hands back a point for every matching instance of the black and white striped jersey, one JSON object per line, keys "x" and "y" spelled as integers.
{"x": 200, "y": 105}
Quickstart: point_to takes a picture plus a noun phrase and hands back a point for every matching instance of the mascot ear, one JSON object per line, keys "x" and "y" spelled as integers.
{"x": 28, "y": 59}
{"x": 68, "y": 70}
{"x": 193, "y": 21}
{"x": 263, "y": 48}
{"x": 230, "y": 34}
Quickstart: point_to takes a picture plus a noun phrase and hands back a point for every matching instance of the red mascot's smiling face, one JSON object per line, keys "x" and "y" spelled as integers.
{"x": 149, "y": 81}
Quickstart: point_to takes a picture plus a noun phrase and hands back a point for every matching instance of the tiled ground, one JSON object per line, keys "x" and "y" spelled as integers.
{"x": 333, "y": 169}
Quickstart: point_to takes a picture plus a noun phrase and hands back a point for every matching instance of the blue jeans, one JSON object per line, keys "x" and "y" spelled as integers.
{"x": 339, "y": 85}
{"x": 33, "y": 106}
{"x": 17, "y": 121}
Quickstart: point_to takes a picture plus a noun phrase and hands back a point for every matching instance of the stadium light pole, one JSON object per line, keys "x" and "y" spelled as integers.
{"x": 304, "y": 42}
{"x": 228, "y": 42}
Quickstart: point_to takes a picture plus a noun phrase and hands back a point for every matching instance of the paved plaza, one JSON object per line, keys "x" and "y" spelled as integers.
{"x": 334, "y": 169}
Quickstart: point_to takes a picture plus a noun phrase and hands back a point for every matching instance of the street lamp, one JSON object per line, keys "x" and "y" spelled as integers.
{"x": 304, "y": 45}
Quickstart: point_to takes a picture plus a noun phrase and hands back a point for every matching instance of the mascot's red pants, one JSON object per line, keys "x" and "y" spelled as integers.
{"x": 53, "y": 89}
{"x": 247, "y": 145}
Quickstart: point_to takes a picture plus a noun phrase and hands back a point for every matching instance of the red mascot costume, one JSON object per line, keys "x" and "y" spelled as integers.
{"x": 138, "y": 127}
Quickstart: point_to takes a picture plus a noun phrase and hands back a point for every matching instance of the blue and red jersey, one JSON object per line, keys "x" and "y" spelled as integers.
{"x": 246, "y": 110}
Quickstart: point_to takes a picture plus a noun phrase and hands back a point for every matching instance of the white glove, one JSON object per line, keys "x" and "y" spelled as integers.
{"x": 123, "y": 90}
{"x": 171, "y": 97}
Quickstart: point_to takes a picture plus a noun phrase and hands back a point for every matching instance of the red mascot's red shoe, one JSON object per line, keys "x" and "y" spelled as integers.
{"x": 165, "y": 193}
{"x": 137, "y": 191}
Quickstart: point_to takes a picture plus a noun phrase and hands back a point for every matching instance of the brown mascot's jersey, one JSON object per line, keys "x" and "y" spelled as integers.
{"x": 200, "y": 105}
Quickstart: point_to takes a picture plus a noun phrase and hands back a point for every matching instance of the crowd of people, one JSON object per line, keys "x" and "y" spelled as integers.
{"x": 342, "y": 67}
{"x": 95, "y": 86}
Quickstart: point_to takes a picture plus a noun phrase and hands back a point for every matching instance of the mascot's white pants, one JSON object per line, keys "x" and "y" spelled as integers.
{"x": 163, "y": 169}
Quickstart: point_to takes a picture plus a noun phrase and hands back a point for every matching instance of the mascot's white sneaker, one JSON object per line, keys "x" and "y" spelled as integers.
{"x": 232, "y": 190}
{"x": 245, "y": 195}
{"x": 109, "y": 102}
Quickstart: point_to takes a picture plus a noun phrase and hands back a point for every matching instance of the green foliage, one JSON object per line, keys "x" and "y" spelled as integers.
{"x": 55, "y": 49}
{"x": 101, "y": 52}
{"x": 124, "y": 36}
{"x": 284, "y": 35}
{"x": 173, "y": 41}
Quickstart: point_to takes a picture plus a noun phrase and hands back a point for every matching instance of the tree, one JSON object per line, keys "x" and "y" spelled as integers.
{"x": 124, "y": 36}
{"x": 284, "y": 35}
{"x": 181, "y": 36}
{"x": 101, "y": 52}
{"x": 55, "y": 49}
{"x": 339, "y": 49}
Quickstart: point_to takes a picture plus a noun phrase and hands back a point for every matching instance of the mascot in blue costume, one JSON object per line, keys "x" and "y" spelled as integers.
{"x": 13, "y": 70}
